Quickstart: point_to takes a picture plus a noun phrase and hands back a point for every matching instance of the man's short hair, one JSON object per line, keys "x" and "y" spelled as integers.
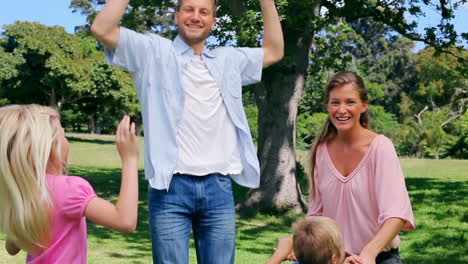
{"x": 316, "y": 239}
{"x": 215, "y": 6}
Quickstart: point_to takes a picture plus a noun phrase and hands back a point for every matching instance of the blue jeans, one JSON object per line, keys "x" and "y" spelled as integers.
{"x": 390, "y": 257}
{"x": 204, "y": 203}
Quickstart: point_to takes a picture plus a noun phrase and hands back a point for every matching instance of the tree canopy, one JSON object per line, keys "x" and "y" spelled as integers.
{"x": 46, "y": 65}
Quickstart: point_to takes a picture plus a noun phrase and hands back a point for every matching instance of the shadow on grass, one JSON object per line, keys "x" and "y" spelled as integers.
{"x": 440, "y": 210}
{"x": 106, "y": 183}
{"x": 258, "y": 231}
{"x": 95, "y": 141}
{"x": 260, "y": 237}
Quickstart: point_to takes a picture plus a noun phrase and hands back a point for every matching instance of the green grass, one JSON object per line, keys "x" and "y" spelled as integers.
{"x": 438, "y": 191}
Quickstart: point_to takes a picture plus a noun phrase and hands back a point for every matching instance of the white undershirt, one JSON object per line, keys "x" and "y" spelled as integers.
{"x": 206, "y": 138}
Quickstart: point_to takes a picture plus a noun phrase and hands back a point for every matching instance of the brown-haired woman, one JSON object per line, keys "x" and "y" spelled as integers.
{"x": 356, "y": 178}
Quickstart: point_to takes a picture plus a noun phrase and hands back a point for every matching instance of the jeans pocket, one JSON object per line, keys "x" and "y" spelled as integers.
{"x": 224, "y": 183}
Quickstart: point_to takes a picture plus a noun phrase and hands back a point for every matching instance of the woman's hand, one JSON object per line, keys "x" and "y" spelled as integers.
{"x": 353, "y": 259}
{"x": 366, "y": 258}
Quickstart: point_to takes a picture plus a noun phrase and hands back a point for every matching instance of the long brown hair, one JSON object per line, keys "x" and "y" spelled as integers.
{"x": 329, "y": 130}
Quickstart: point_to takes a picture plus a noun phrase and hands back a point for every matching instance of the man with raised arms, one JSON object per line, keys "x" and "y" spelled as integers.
{"x": 197, "y": 135}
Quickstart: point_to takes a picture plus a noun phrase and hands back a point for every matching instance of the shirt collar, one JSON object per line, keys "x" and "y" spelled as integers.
{"x": 181, "y": 47}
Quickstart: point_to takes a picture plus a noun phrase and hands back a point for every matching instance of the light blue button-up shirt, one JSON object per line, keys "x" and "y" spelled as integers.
{"x": 156, "y": 64}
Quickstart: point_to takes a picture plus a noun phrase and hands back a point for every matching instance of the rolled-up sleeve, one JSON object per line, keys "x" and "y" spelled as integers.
{"x": 391, "y": 193}
{"x": 131, "y": 51}
{"x": 250, "y": 62}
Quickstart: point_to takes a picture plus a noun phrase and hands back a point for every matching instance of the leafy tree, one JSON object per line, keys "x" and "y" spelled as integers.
{"x": 383, "y": 58}
{"x": 280, "y": 91}
{"x": 431, "y": 114}
{"x": 437, "y": 139}
{"x": 383, "y": 122}
{"x": 308, "y": 127}
{"x": 46, "y": 65}
{"x": 460, "y": 148}
{"x": 443, "y": 79}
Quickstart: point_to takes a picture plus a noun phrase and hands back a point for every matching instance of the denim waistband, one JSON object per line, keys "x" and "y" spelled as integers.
{"x": 387, "y": 254}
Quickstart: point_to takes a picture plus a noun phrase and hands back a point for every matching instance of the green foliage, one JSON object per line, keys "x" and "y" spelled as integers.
{"x": 327, "y": 58}
{"x": 48, "y": 66}
{"x": 443, "y": 79}
{"x": 384, "y": 60}
{"x": 385, "y": 123}
{"x": 4, "y": 101}
{"x": 142, "y": 15}
{"x": 431, "y": 113}
{"x": 437, "y": 140}
{"x": 460, "y": 147}
{"x": 375, "y": 91}
{"x": 251, "y": 112}
{"x": 308, "y": 128}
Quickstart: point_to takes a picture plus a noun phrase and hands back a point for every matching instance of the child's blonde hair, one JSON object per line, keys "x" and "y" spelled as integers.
{"x": 316, "y": 239}
{"x": 28, "y": 140}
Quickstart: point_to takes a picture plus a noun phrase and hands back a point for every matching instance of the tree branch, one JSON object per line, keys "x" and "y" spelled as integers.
{"x": 456, "y": 115}
{"x": 384, "y": 12}
{"x": 418, "y": 116}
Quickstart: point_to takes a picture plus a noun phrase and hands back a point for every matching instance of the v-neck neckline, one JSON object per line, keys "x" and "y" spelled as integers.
{"x": 338, "y": 174}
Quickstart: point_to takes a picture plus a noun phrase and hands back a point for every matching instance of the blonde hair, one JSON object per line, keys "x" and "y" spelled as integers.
{"x": 328, "y": 129}
{"x": 28, "y": 140}
{"x": 316, "y": 239}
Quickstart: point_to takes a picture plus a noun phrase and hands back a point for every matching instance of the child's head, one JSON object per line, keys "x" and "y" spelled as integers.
{"x": 317, "y": 240}
{"x": 30, "y": 144}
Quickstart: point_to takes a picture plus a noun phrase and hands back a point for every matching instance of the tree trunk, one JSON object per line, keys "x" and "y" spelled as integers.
{"x": 53, "y": 98}
{"x": 92, "y": 124}
{"x": 278, "y": 97}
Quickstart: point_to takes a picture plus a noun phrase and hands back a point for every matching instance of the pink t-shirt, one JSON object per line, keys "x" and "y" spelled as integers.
{"x": 362, "y": 201}
{"x": 70, "y": 195}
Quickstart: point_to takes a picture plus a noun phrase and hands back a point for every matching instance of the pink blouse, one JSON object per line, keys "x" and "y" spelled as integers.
{"x": 70, "y": 195}
{"x": 361, "y": 202}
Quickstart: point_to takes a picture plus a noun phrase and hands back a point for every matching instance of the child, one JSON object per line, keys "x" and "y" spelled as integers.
{"x": 356, "y": 178}
{"x": 42, "y": 211}
{"x": 316, "y": 240}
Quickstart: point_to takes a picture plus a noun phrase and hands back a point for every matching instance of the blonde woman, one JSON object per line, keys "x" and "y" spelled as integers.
{"x": 43, "y": 211}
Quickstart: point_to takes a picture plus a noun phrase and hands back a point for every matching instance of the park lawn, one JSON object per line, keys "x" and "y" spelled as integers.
{"x": 438, "y": 191}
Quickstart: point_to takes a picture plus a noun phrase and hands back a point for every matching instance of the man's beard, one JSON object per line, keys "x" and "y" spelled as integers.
{"x": 194, "y": 40}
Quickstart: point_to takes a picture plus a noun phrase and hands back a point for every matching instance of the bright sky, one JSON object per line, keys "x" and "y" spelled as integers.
{"x": 57, "y": 12}
{"x": 49, "y": 12}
